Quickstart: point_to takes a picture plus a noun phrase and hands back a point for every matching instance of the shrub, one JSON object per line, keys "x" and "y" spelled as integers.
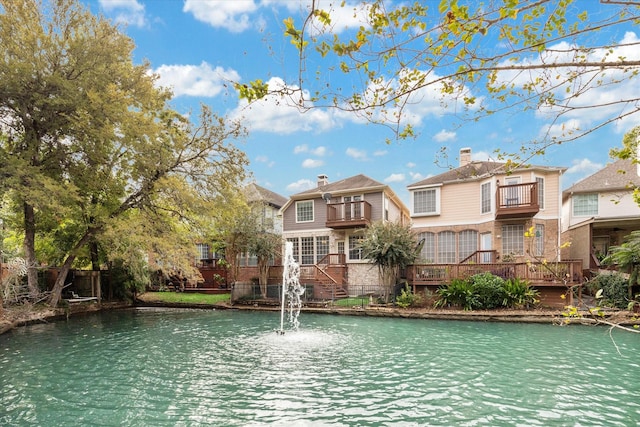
{"x": 489, "y": 291}
{"x": 518, "y": 294}
{"x": 615, "y": 289}
{"x": 406, "y": 297}
{"x": 459, "y": 293}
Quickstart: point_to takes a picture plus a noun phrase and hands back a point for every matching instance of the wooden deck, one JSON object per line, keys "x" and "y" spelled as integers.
{"x": 564, "y": 273}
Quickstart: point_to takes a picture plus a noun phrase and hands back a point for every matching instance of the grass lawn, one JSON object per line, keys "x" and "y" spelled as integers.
{"x": 183, "y": 297}
{"x": 350, "y": 302}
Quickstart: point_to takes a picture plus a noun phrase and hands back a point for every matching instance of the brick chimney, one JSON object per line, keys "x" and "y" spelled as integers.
{"x": 322, "y": 180}
{"x": 465, "y": 156}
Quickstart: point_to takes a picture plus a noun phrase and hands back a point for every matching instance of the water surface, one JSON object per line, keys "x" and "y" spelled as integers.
{"x": 161, "y": 367}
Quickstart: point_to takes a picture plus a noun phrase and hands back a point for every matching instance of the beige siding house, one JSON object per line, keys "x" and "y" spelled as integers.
{"x": 325, "y": 226}
{"x": 480, "y": 212}
{"x": 599, "y": 211}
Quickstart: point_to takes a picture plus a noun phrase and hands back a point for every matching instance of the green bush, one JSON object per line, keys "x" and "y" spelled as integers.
{"x": 459, "y": 293}
{"x": 408, "y": 299}
{"x": 486, "y": 291}
{"x": 518, "y": 294}
{"x": 615, "y": 289}
{"x": 489, "y": 290}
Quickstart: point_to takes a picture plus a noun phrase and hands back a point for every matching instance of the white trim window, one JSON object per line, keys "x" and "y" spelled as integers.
{"x": 304, "y": 211}
{"x": 512, "y": 239}
{"x": 426, "y": 201}
{"x": 485, "y": 194}
{"x": 355, "y": 252}
{"x": 585, "y": 204}
{"x": 540, "y": 181}
{"x": 539, "y": 240}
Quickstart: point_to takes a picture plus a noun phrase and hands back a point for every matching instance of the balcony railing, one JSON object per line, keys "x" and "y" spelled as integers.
{"x": 517, "y": 200}
{"x": 348, "y": 214}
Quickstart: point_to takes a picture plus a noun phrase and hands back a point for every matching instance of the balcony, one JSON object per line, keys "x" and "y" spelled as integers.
{"x": 517, "y": 201}
{"x": 348, "y": 215}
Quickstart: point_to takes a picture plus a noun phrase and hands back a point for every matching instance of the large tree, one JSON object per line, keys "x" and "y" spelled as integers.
{"x": 479, "y": 58}
{"x": 89, "y": 137}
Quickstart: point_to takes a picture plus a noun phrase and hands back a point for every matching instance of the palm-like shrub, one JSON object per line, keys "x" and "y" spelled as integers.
{"x": 518, "y": 294}
{"x": 459, "y": 293}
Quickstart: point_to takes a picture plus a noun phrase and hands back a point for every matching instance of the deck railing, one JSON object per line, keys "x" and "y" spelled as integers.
{"x": 517, "y": 200}
{"x": 348, "y": 214}
{"x": 539, "y": 274}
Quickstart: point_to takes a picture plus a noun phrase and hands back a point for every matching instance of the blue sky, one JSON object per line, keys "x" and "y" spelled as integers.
{"x": 198, "y": 46}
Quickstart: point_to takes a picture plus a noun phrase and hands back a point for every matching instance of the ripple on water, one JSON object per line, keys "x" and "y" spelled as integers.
{"x": 185, "y": 367}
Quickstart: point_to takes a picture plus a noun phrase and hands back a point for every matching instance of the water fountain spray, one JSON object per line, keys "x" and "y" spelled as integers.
{"x": 292, "y": 291}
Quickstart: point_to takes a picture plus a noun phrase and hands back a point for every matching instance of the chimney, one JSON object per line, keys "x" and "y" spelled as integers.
{"x": 322, "y": 180}
{"x": 465, "y": 156}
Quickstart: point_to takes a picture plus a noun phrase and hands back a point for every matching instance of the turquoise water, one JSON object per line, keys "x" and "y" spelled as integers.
{"x": 154, "y": 367}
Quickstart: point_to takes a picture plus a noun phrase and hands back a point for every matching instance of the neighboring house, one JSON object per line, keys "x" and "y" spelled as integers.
{"x": 480, "y": 212}
{"x": 266, "y": 204}
{"x": 325, "y": 225}
{"x": 599, "y": 211}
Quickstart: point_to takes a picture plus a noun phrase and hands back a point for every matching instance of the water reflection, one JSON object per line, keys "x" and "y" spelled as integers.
{"x": 186, "y": 367}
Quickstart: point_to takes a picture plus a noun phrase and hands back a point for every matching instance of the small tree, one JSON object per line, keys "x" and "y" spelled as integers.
{"x": 265, "y": 246}
{"x": 391, "y": 246}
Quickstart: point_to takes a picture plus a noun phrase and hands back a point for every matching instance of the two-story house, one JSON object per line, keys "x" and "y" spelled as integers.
{"x": 599, "y": 211}
{"x": 325, "y": 226}
{"x": 480, "y": 209}
{"x": 265, "y": 205}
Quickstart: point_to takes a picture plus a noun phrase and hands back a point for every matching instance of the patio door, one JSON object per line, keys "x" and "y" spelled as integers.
{"x": 352, "y": 209}
{"x": 512, "y": 194}
{"x": 486, "y": 243}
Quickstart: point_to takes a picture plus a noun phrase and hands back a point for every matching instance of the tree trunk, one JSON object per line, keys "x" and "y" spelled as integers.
{"x": 30, "y": 251}
{"x": 93, "y": 250}
{"x": 56, "y": 292}
{"x": 263, "y": 276}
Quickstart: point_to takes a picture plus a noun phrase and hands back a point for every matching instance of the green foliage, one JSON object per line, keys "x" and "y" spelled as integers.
{"x": 518, "y": 294}
{"x": 127, "y": 280}
{"x": 627, "y": 257}
{"x": 186, "y": 298}
{"x": 391, "y": 246}
{"x": 615, "y": 289}
{"x": 489, "y": 291}
{"x": 94, "y": 143}
{"x": 486, "y": 291}
{"x": 458, "y": 293}
{"x": 406, "y": 297}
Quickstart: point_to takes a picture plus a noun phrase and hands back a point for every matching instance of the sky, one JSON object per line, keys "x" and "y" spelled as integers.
{"x": 198, "y": 47}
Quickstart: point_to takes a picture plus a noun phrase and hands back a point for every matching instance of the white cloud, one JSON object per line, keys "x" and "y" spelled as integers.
{"x": 591, "y": 97}
{"x": 395, "y": 177}
{"x": 482, "y": 156}
{"x": 265, "y": 159}
{"x": 129, "y": 12}
{"x": 417, "y": 176}
{"x": 312, "y": 163}
{"x": 583, "y": 166}
{"x": 301, "y": 185}
{"x": 351, "y": 15}
{"x": 411, "y": 165}
{"x": 354, "y": 153}
{"x": 231, "y": 15}
{"x": 195, "y": 80}
{"x": 319, "y": 151}
{"x": 444, "y": 136}
{"x": 561, "y": 130}
{"x": 280, "y": 114}
{"x": 380, "y": 153}
{"x": 304, "y": 148}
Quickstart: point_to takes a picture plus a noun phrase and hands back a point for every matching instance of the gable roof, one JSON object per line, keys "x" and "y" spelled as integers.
{"x": 477, "y": 170}
{"x": 618, "y": 175}
{"x": 256, "y": 193}
{"x": 355, "y": 183}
